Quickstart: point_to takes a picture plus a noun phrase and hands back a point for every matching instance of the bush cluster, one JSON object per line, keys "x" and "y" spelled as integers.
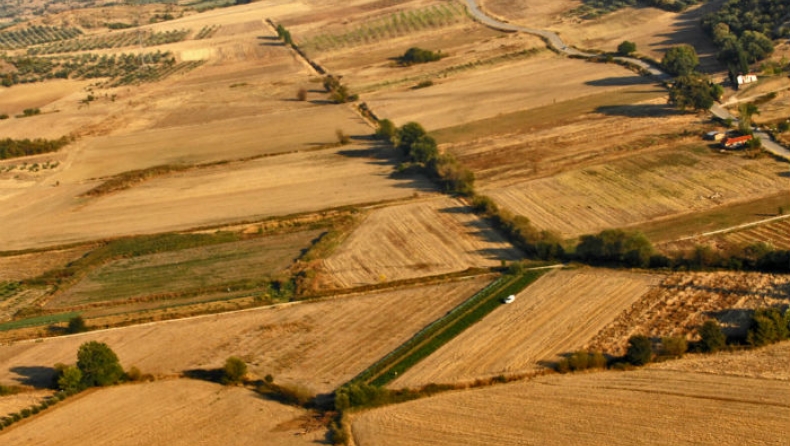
{"x": 416, "y": 55}
{"x": 14, "y": 148}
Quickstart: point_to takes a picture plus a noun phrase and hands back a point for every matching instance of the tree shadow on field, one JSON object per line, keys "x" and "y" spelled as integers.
{"x": 621, "y": 81}
{"x": 735, "y": 322}
{"x": 210, "y": 375}
{"x": 36, "y": 376}
{"x": 485, "y": 232}
{"x": 639, "y": 110}
{"x": 687, "y": 29}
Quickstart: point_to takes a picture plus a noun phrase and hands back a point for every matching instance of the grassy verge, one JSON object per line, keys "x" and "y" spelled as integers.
{"x": 37, "y": 321}
{"x": 443, "y": 330}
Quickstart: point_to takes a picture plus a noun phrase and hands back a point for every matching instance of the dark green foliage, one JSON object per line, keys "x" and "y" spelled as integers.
{"x": 640, "y": 350}
{"x": 408, "y": 134}
{"x": 76, "y": 325}
{"x": 386, "y": 130}
{"x": 680, "y": 60}
{"x": 70, "y": 379}
{"x": 234, "y": 371}
{"x": 768, "y": 326}
{"x": 594, "y": 8}
{"x": 768, "y": 17}
{"x": 416, "y": 55}
{"x": 693, "y": 91}
{"x": 712, "y": 339}
{"x": 581, "y": 361}
{"x": 615, "y": 246}
{"x": 35, "y": 35}
{"x": 99, "y": 364}
{"x": 675, "y": 346}
{"x": 284, "y": 35}
{"x": 626, "y": 48}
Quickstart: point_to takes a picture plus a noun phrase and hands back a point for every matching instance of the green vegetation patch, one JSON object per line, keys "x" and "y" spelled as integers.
{"x": 14, "y": 148}
{"x": 37, "y": 321}
{"x": 35, "y": 35}
{"x": 229, "y": 265}
{"x": 111, "y": 40}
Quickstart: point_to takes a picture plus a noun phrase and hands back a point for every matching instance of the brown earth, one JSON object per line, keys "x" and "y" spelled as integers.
{"x": 14, "y": 403}
{"x": 558, "y": 314}
{"x": 425, "y": 238}
{"x": 177, "y": 412}
{"x": 317, "y": 345}
{"x": 648, "y": 406}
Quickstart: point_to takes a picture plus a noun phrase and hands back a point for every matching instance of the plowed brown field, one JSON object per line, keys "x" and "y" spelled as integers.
{"x": 174, "y": 412}
{"x": 318, "y": 345}
{"x": 558, "y": 314}
{"x": 682, "y": 302}
{"x": 419, "y": 239}
{"x": 652, "y": 406}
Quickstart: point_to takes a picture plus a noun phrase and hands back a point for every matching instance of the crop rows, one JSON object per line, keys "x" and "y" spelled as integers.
{"x": 35, "y": 35}
{"x": 389, "y": 27}
{"x": 206, "y": 32}
{"x": 776, "y": 234}
{"x": 121, "y": 69}
{"x": 112, "y": 40}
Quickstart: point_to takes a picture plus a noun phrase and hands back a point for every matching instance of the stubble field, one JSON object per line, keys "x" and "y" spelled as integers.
{"x": 558, "y": 314}
{"x": 424, "y": 238}
{"x": 177, "y": 412}
{"x": 317, "y": 345}
{"x": 640, "y": 407}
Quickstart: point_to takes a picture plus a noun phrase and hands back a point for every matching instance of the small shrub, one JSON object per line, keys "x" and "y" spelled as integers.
{"x": 234, "y": 371}
{"x": 675, "y": 346}
{"x": 268, "y": 379}
{"x": 301, "y": 94}
{"x": 134, "y": 374}
{"x": 4, "y": 116}
{"x": 712, "y": 339}
{"x": 76, "y": 325}
{"x": 640, "y": 350}
{"x": 342, "y": 138}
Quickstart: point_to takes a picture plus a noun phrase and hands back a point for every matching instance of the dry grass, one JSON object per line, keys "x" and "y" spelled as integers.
{"x": 175, "y": 412}
{"x": 318, "y": 345}
{"x": 425, "y": 238}
{"x": 558, "y": 314}
{"x": 27, "y": 266}
{"x": 684, "y": 301}
{"x": 651, "y": 406}
{"x": 639, "y": 189}
{"x": 14, "y": 403}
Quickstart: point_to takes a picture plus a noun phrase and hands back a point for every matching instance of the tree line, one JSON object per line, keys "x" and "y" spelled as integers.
{"x": 15, "y": 148}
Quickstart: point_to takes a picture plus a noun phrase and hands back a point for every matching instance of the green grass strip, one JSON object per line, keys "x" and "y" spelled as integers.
{"x": 479, "y": 306}
{"x": 37, "y": 321}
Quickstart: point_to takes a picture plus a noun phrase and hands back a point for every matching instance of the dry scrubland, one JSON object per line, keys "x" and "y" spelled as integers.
{"x": 640, "y": 189}
{"x": 317, "y": 345}
{"x": 425, "y": 238}
{"x": 682, "y": 302}
{"x": 558, "y": 314}
{"x": 27, "y": 266}
{"x": 176, "y": 412}
{"x": 649, "y": 406}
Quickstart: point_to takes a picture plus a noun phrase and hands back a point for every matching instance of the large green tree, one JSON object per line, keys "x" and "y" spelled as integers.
{"x": 693, "y": 92}
{"x": 640, "y": 350}
{"x": 99, "y": 364}
{"x": 712, "y": 339}
{"x": 680, "y": 60}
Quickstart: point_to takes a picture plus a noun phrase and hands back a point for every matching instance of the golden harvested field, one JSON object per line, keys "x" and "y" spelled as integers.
{"x": 318, "y": 345}
{"x": 639, "y": 189}
{"x": 682, "y": 302}
{"x": 520, "y": 85}
{"x": 14, "y": 403}
{"x": 560, "y": 137}
{"x": 648, "y": 407}
{"x": 425, "y": 238}
{"x": 280, "y": 185}
{"x": 769, "y": 362}
{"x": 558, "y": 314}
{"x": 187, "y": 269}
{"x": 175, "y": 412}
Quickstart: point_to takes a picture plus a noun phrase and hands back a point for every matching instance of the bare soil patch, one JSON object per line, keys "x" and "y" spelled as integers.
{"x": 645, "y": 407}
{"x": 684, "y": 301}
{"x": 425, "y": 238}
{"x": 641, "y": 188}
{"x": 558, "y": 314}
{"x": 317, "y": 345}
{"x": 178, "y": 412}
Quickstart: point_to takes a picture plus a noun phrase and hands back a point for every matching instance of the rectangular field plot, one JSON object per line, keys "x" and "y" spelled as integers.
{"x": 318, "y": 345}
{"x": 419, "y": 239}
{"x": 558, "y": 314}
{"x": 640, "y": 188}
{"x": 188, "y": 269}
{"x": 776, "y": 234}
{"x": 646, "y": 407}
{"x": 174, "y": 412}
